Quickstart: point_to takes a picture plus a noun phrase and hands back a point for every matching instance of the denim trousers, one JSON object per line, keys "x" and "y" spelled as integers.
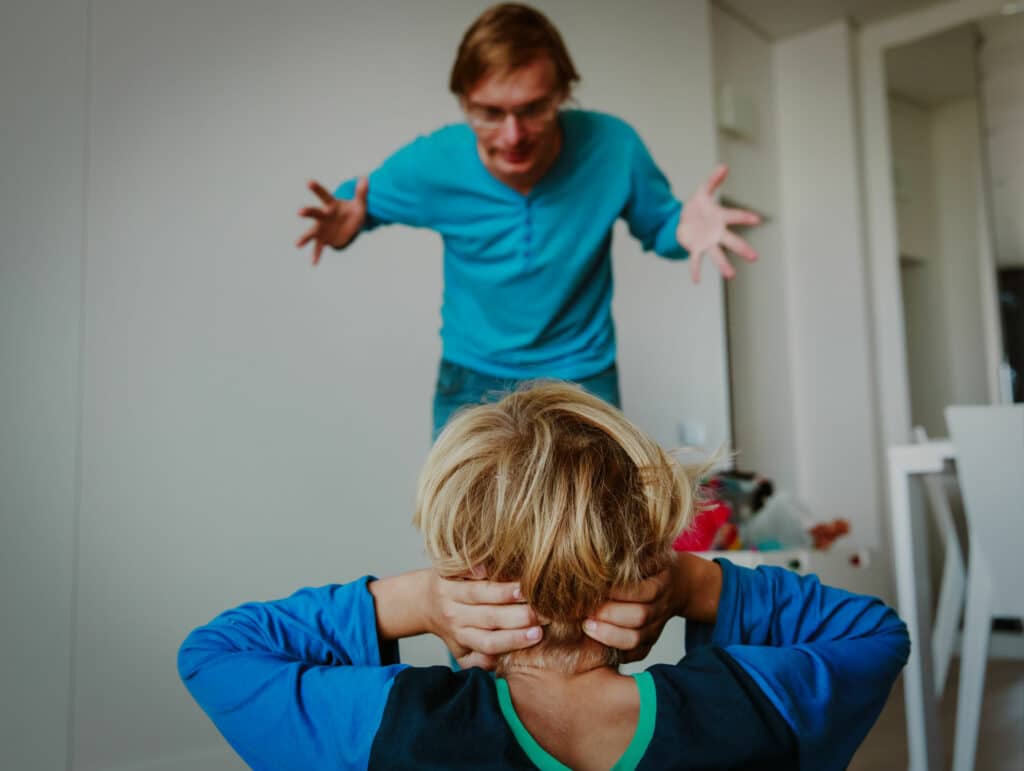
{"x": 459, "y": 386}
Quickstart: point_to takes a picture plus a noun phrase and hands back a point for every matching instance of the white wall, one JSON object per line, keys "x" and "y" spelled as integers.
{"x": 249, "y": 425}
{"x": 671, "y": 333}
{"x": 910, "y": 135}
{"x": 759, "y": 347}
{"x": 936, "y": 160}
{"x": 832, "y": 377}
{"x": 937, "y": 154}
{"x": 1001, "y": 61}
{"x": 956, "y": 143}
{"x": 42, "y": 118}
{"x": 921, "y": 272}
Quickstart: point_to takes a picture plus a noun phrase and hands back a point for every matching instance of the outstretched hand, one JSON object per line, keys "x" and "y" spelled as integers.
{"x": 479, "y": 619}
{"x": 337, "y": 221}
{"x": 704, "y": 228}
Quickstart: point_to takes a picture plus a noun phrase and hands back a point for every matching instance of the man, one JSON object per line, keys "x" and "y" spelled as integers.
{"x": 525, "y": 196}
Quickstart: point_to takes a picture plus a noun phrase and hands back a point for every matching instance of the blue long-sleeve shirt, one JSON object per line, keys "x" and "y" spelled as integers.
{"x": 792, "y": 676}
{"x": 527, "y": 278}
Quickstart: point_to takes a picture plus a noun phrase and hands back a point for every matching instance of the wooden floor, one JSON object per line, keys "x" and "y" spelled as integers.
{"x": 1001, "y": 734}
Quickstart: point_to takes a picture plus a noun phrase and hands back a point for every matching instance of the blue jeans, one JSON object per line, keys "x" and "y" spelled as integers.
{"x": 459, "y": 386}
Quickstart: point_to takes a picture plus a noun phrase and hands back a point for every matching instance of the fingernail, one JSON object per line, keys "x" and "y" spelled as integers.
{"x": 590, "y": 626}
{"x": 533, "y": 633}
{"x": 517, "y": 593}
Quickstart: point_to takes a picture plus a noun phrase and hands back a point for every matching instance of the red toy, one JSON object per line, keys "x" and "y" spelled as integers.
{"x": 700, "y": 536}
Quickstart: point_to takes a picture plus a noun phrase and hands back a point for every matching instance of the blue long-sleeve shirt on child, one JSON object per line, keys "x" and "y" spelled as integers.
{"x": 528, "y": 278}
{"x": 792, "y": 675}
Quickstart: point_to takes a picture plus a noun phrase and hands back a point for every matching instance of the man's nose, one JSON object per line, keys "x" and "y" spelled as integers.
{"x": 511, "y": 128}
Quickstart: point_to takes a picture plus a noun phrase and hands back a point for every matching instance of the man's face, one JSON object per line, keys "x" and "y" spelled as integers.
{"x": 513, "y": 115}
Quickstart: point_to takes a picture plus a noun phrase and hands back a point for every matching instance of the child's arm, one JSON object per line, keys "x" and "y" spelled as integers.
{"x": 298, "y": 683}
{"x": 826, "y": 658}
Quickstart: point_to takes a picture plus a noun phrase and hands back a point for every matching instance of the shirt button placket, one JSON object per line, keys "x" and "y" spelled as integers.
{"x": 527, "y": 229}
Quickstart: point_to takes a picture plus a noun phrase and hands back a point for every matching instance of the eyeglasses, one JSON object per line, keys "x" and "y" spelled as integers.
{"x": 533, "y": 115}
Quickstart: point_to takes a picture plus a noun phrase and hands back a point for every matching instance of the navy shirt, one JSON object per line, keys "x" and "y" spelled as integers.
{"x": 527, "y": 278}
{"x": 792, "y": 675}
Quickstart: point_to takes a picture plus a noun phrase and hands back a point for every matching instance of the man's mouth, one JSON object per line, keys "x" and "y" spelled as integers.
{"x": 518, "y": 155}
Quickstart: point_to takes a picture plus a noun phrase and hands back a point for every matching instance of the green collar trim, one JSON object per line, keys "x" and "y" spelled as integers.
{"x": 644, "y": 725}
{"x": 545, "y": 761}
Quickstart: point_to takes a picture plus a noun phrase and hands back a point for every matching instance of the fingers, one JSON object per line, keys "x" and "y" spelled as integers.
{"x": 458, "y": 615}
{"x": 362, "y": 187}
{"x": 739, "y": 246}
{"x": 611, "y": 635}
{"x": 645, "y": 591}
{"x": 477, "y": 659}
{"x": 498, "y": 616}
{"x": 494, "y": 642}
{"x": 313, "y": 213}
{"x": 724, "y": 266}
{"x": 721, "y": 262}
{"x": 629, "y": 615}
{"x": 317, "y": 214}
{"x": 717, "y": 178}
{"x": 320, "y": 191}
{"x": 483, "y": 592}
{"x": 308, "y": 236}
{"x": 741, "y": 217}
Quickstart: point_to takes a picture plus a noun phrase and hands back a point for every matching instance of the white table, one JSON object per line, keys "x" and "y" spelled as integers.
{"x": 909, "y": 544}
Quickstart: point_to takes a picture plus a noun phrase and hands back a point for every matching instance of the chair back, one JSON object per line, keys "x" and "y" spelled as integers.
{"x": 989, "y": 446}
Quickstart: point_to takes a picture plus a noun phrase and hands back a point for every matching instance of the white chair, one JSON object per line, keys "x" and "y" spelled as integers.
{"x": 989, "y": 446}
{"x": 954, "y": 577}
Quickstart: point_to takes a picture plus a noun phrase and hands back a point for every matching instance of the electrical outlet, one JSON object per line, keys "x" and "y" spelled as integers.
{"x": 692, "y": 433}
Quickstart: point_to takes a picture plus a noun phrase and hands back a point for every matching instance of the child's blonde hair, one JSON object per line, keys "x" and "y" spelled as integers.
{"x": 555, "y": 489}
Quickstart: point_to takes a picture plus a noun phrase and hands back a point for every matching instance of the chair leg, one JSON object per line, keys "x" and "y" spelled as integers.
{"x": 947, "y": 618}
{"x": 973, "y": 659}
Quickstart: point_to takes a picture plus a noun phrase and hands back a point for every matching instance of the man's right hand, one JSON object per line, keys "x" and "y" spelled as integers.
{"x": 337, "y": 222}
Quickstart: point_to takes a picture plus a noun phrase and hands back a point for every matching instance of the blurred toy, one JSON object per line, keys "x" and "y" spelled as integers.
{"x": 700, "y": 536}
{"x": 727, "y": 538}
{"x": 780, "y": 524}
{"x": 825, "y": 534}
{"x": 744, "y": 491}
{"x": 745, "y": 513}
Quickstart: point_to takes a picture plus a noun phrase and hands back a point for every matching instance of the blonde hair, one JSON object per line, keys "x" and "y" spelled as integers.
{"x": 555, "y": 489}
{"x": 504, "y": 38}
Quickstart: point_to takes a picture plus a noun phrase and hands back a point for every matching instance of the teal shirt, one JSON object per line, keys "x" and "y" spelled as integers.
{"x": 528, "y": 278}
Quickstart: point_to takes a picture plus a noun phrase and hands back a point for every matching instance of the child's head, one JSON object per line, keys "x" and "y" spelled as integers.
{"x": 553, "y": 488}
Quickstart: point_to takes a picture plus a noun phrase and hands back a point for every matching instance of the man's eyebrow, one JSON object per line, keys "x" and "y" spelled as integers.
{"x": 488, "y": 106}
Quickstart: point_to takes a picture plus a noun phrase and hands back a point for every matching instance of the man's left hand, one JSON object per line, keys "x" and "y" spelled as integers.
{"x": 704, "y": 228}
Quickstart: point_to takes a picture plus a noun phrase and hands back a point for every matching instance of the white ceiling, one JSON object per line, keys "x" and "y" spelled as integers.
{"x": 781, "y": 18}
{"x": 938, "y": 69}
{"x": 929, "y": 72}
